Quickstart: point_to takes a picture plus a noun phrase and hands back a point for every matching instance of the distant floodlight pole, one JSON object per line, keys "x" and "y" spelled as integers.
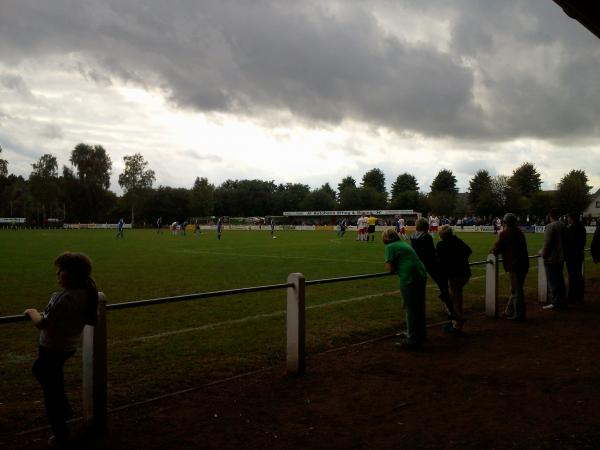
{"x": 296, "y": 326}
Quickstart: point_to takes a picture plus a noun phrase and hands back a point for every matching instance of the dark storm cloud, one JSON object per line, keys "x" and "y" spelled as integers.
{"x": 540, "y": 67}
{"x": 509, "y": 69}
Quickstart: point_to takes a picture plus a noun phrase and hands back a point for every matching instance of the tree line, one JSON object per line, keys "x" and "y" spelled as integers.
{"x": 81, "y": 193}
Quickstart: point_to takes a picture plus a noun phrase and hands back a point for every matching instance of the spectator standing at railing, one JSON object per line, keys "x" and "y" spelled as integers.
{"x": 401, "y": 259}
{"x": 575, "y": 246}
{"x": 61, "y": 325}
{"x": 422, "y": 243}
{"x": 454, "y": 255}
{"x": 511, "y": 245}
{"x": 595, "y": 248}
{"x": 553, "y": 254}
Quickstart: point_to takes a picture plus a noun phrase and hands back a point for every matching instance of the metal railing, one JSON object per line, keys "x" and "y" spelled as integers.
{"x": 95, "y": 338}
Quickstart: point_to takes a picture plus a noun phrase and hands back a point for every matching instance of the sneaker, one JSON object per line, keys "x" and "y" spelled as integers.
{"x": 400, "y": 335}
{"x": 549, "y": 307}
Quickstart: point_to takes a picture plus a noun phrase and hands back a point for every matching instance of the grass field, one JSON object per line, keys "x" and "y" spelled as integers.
{"x": 165, "y": 348}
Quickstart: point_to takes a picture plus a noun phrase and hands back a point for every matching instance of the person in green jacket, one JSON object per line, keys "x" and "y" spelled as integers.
{"x": 401, "y": 259}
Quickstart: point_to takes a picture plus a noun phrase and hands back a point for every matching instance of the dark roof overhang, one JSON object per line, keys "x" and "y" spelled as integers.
{"x": 587, "y": 12}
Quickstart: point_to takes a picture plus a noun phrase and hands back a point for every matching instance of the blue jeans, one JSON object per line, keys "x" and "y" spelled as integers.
{"x": 556, "y": 283}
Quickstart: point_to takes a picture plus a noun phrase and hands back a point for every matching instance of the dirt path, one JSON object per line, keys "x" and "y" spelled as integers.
{"x": 501, "y": 385}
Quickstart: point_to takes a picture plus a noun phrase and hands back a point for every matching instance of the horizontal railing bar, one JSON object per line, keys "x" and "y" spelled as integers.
{"x": 196, "y": 296}
{"x": 350, "y": 277}
{"x": 13, "y": 319}
{"x": 480, "y": 263}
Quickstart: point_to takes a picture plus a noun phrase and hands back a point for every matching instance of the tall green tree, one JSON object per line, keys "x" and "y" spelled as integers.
{"x": 414, "y": 200}
{"x": 482, "y": 198}
{"x": 245, "y": 198}
{"x": 44, "y": 186}
{"x": 349, "y": 198}
{"x": 526, "y": 180}
{"x": 3, "y": 166}
{"x": 319, "y": 200}
{"x": 288, "y": 197}
{"x": 540, "y": 204}
{"x": 136, "y": 175}
{"x": 442, "y": 198}
{"x": 442, "y": 202}
{"x": 346, "y": 182}
{"x": 92, "y": 164}
{"x": 93, "y": 167}
{"x": 17, "y": 198}
{"x": 172, "y": 204}
{"x": 4, "y": 191}
{"x": 202, "y": 198}
{"x": 524, "y": 183}
{"x": 573, "y": 193}
{"x": 500, "y": 189}
{"x": 46, "y": 167}
{"x": 375, "y": 179}
{"x": 405, "y": 193}
{"x": 445, "y": 181}
{"x": 136, "y": 180}
{"x": 329, "y": 190}
{"x": 371, "y": 198}
{"x": 404, "y": 183}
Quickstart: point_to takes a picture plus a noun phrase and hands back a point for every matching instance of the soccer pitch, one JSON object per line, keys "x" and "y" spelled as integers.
{"x": 160, "y": 349}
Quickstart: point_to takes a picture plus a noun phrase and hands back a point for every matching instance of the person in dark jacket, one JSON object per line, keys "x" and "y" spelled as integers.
{"x": 511, "y": 245}
{"x": 422, "y": 243}
{"x": 61, "y": 327}
{"x": 553, "y": 253}
{"x": 453, "y": 255}
{"x": 575, "y": 240}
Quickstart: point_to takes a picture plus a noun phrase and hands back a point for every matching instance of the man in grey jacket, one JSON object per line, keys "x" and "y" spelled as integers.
{"x": 553, "y": 254}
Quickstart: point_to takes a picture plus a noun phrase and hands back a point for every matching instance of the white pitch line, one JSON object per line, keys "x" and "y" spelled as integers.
{"x": 245, "y": 319}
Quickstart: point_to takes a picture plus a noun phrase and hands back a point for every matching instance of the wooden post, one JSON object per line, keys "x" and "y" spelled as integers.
{"x": 491, "y": 286}
{"x": 95, "y": 370}
{"x": 542, "y": 282}
{"x": 296, "y": 331}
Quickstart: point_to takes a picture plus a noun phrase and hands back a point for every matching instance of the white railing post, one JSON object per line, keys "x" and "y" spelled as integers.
{"x": 95, "y": 370}
{"x": 296, "y": 331}
{"x": 542, "y": 281}
{"x": 491, "y": 286}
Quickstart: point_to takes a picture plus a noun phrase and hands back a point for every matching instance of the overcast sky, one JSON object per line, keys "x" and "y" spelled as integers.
{"x": 301, "y": 91}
